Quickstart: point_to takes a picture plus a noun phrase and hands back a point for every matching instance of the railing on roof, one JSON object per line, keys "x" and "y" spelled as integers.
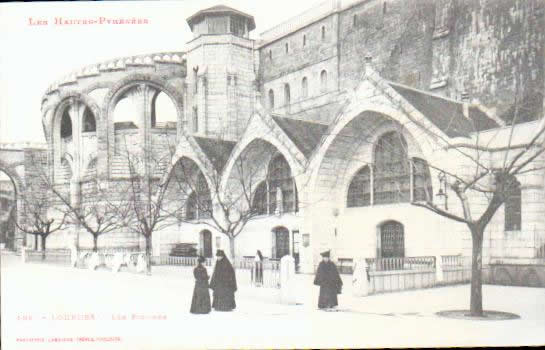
{"x": 311, "y": 15}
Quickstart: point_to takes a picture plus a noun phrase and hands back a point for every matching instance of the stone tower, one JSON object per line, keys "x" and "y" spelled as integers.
{"x": 220, "y": 73}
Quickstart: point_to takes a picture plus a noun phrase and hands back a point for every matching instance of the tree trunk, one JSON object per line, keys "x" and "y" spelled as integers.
{"x": 232, "y": 248}
{"x": 476, "y": 299}
{"x": 43, "y": 246}
{"x": 148, "y": 254}
{"x": 95, "y": 243}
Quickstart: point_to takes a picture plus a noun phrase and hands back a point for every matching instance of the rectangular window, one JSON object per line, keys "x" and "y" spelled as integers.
{"x": 195, "y": 120}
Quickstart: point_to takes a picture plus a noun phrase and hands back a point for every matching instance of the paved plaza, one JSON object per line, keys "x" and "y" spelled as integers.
{"x": 54, "y": 307}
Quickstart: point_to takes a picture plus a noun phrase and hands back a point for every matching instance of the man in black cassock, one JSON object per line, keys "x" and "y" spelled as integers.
{"x": 223, "y": 284}
{"x": 327, "y": 277}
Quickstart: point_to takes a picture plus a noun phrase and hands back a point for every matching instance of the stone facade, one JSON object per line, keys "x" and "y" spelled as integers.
{"x": 320, "y": 91}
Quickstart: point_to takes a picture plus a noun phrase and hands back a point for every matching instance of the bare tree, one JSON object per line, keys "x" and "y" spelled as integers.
{"x": 144, "y": 190}
{"x": 484, "y": 186}
{"x": 229, "y": 207}
{"x": 37, "y": 219}
{"x": 97, "y": 212}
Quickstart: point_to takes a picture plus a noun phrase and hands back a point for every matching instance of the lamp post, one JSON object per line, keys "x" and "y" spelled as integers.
{"x": 443, "y": 187}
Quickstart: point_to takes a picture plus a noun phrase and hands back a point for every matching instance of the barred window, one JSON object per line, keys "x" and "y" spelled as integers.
{"x": 359, "y": 191}
{"x": 287, "y": 95}
{"x": 391, "y": 172}
{"x": 513, "y": 217}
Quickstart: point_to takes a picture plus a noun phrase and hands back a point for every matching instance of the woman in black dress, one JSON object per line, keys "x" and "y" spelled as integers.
{"x": 200, "y": 304}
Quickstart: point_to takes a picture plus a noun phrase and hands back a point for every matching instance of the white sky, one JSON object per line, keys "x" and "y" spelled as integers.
{"x": 33, "y": 57}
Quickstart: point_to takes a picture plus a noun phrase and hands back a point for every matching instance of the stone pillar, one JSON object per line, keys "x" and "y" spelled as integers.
{"x": 360, "y": 278}
{"x": 287, "y": 280}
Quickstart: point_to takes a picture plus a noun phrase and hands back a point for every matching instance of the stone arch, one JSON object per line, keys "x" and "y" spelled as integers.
{"x": 119, "y": 88}
{"x": 65, "y": 100}
{"x": 241, "y": 147}
{"x": 18, "y": 186}
{"x": 188, "y": 193}
{"x": 384, "y": 118}
{"x": 15, "y": 178}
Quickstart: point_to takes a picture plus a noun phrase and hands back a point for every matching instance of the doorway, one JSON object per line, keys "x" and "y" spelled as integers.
{"x": 392, "y": 240}
{"x": 206, "y": 243}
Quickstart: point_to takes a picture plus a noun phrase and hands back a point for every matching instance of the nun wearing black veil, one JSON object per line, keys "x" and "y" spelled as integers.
{"x": 223, "y": 284}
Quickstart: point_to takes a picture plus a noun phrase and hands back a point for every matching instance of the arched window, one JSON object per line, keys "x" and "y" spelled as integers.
{"x": 287, "y": 48}
{"x": 359, "y": 191}
{"x": 280, "y": 178}
{"x": 270, "y": 55}
{"x": 513, "y": 201}
{"x": 355, "y": 20}
{"x": 391, "y": 183}
{"x": 304, "y": 40}
{"x": 271, "y": 99}
{"x": 199, "y": 202}
{"x": 304, "y": 87}
{"x": 422, "y": 189}
{"x": 191, "y": 207}
{"x": 323, "y": 32}
{"x": 287, "y": 97}
{"x": 66, "y": 125}
{"x": 259, "y": 203}
{"x": 323, "y": 81}
{"x": 89, "y": 122}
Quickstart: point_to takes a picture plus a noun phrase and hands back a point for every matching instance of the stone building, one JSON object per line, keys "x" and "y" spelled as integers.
{"x": 339, "y": 110}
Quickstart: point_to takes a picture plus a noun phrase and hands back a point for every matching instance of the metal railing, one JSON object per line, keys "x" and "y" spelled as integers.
{"x": 179, "y": 260}
{"x": 61, "y": 256}
{"x": 401, "y": 263}
{"x": 266, "y": 274}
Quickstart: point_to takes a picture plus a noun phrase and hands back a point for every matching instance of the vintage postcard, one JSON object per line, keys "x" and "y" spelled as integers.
{"x": 207, "y": 174}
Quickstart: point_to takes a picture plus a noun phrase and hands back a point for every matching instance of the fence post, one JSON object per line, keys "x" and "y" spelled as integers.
{"x": 360, "y": 281}
{"x": 439, "y": 277}
{"x": 287, "y": 280}
{"x": 73, "y": 256}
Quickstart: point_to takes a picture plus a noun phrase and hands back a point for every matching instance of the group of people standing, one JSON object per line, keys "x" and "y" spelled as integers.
{"x": 224, "y": 285}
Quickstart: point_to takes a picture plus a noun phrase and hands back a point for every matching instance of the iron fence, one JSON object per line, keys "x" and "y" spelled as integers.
{"x": 61, "y": 256}
{"x": 401, "y": 263}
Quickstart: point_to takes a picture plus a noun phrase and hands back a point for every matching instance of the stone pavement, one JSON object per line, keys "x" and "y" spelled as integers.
{"x": 399, "y": 319}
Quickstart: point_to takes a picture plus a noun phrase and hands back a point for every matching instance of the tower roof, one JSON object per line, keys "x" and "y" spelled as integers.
{"x": 221, "y": 9}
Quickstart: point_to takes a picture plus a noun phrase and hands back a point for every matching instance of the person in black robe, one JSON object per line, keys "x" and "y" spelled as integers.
{"x": 223, "y": 284}
{"x": 329, "y": 280}
{"x": 200, "y": 304}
